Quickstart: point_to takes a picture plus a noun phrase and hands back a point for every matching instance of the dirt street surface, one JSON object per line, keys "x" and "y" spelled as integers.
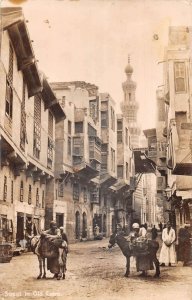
{"x": 93, "y": 272}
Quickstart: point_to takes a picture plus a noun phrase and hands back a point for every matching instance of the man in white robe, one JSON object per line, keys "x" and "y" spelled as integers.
{"x": 168, "y": 254}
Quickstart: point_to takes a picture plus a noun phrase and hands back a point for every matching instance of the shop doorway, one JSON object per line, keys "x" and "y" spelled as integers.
{"x": 104, "y": 225}
{"x": 84, "y": 229}
{"x": 20, "y": 228}
{"x": 77, "y": 225}
{"x": 97, "y": 220}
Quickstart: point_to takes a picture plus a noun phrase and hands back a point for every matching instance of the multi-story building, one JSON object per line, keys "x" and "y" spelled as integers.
{"x": 86, "y": 160}
{"x": 28, "y": 113}
{"x": 108, "y": 174}
{"x": 178, "y": 129}
{"x": 125, "y": 171}
{"x": 78, "y": 158}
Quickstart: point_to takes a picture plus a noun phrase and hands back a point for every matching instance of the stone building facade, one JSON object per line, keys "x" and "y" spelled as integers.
{"x": 177, "y": 99}
{"x": 28, "y": 114}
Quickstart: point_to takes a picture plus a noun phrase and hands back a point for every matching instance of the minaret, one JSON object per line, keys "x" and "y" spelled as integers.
{"x": 129, "y": 106}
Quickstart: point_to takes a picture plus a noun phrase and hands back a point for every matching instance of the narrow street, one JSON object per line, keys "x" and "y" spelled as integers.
{"x": 93, "y": 272}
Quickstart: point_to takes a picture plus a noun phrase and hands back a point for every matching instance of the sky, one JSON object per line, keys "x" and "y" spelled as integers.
{"x": 89, "y": 40}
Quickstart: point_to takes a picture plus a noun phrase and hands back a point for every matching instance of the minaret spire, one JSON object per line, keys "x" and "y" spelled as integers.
{"x": 130, "y": 106}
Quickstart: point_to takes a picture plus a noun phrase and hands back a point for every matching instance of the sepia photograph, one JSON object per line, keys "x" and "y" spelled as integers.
{"x": 95, "y": 149}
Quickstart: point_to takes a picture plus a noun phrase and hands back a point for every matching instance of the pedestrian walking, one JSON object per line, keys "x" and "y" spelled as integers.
{"x": 145, "y": 225}
{"x": 168, "y": 254}
{"x": 160, "y": 227}
{"x": 154, "y": 233}
{"x": 184, "y": 246}
{"x": 143, "y": 231}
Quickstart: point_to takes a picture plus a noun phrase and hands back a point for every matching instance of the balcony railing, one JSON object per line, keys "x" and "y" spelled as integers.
{"x": 94, "y": 195}
{"x": 94, "y": 150}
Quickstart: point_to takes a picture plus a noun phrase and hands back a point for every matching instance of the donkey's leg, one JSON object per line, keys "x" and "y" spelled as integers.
{"x": 127, "y": 267}
{"x": 156, "y": 262}
{"x": 40, "y": 267}
{"x": 64, "y": 263}
{"x": 60, "y": 260}
{"x": 44, "y": 271}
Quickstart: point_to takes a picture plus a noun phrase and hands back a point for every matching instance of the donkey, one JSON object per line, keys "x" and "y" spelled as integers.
{"x": 124, "y": 245}
{"x": 55, "y": 263}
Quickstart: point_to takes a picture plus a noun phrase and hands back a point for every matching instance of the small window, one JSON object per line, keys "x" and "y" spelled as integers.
{"x": 61, "y": 188}
{"x": 21, "y": 191}
{"x": 29, "y": 195}
{"x": 69, "y": 146}
{"x": 127, "y": 170}
{"x": 126, "y": 136}
{"x": 43, "y": 199}
{"x": 50, "y": 125}
{"x": 112, "y": 119}
{"x": 37, "y": 197}
{"x": 120, "y": 171}
{"x": 103, "y": 161}
{"x": 104, "y": 119}
{"x": 75, "y": 191}
{"x": 180, "y": 77}
{"x": 119, "y": 125}
{"x": 78, "y": 127}
{"x": 5, "y": 189}
{"x": 104, "y": 147}
{"x": 119, "y": 137}
{"x": 112, "y": 160}
{"x": 85, "y": 194}
{"x": 12, "y": 191}
{"x": 69, "y": 127}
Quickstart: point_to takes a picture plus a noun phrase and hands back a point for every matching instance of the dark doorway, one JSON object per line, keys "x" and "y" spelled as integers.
{"x": 104, "y": 225}
{"x": 97, "y": 220}
{"x": 113, "y": 224}
{"x": 59, "y": 219}
{"x": 20, "y": 229}
{"x": 77, "y": 225}
{"x": 84, "y": 229}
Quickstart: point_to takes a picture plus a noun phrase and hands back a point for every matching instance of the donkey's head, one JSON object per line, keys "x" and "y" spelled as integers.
{"x": 112, "y": 240}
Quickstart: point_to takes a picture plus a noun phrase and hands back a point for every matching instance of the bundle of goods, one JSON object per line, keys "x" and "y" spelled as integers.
{"x": 140, "y": 247}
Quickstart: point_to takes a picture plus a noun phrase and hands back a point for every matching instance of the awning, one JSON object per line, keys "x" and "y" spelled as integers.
{"x": 51, "y": 101}
{"x": 184, "y": 194}
{"x": 85, "y": 171}
{"x": 107, "y": 180}
{"x": 14, "y": 22}
{"x": 142, "y": 163}
{"x": 104, "y": 180}
{"x": 119, "y": 185}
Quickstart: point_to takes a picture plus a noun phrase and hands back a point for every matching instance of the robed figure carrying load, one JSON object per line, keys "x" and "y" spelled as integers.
{"x": 138, "y": 246}
{"x": 51, "y": 244}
